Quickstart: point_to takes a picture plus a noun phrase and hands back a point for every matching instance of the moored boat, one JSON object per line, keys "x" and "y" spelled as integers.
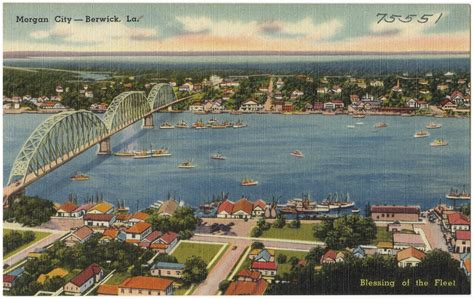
{"x": 186, "y": 165}
{"x": 439, "y": 142}
{"x": 248, "y": 182}
{"x": 142, "y": 154}
{"x": 432, "y": 125}
{"x": 166, "y": 125}
{"x": 239, "y": 124}
{"x": 421, "y": 134}
{"x": 182, "y": 125}
{"x": 455, "y": 194}
{"x": 218, "y": 156}
{"x": 333, "y": 202}
{"x": 355, "y": 211}
{"x": 124, "y": 153}
{"x": 380, "y": 125}
{"x": 297, "y": 153}
{"x": 79, "y": 176}
{"x": 161, "y": 152}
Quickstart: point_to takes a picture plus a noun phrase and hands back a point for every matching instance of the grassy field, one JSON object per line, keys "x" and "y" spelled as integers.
{"x": 304, "y": 233}
{"x": 282, "y": 268}
{"x": 38, "y": 236}
{"x": 206, "y": 251}
{"x": 383, "y": 235}
{"x": 118, "y": 278}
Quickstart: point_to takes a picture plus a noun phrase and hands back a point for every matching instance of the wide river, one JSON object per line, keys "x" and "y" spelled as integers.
{"x": 374, "y": 165}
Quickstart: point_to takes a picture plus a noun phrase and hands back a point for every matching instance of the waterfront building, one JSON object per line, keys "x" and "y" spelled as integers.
{"x": 167, "y": 269}
{"x": 458, "y": 221}
{"x": 168, "y": 207}
{"x": 145, "y": 286}
{"x": 395, "y": 226}
{"x": 99, "y": 220}
{"x": 248, "y": 275}
{"x": 251, "y": 106}
{"x": 196, "y": 108}
{"x": 79, "y": 235}
{"x": 138, "y": 217}
{"x": 82, "y": 210}
{"x": 409, "y": 257}
{"x": 402, "y": 241}
{"x": 392, "y": 213}
{"x": 462, "y": 241}
{"x": 84, "y": 280}
{"x": 66, "y": 209}
{"x": 258, "y": 208}
{"x": 329, "y": 106}
{"x": 101, "y": 208}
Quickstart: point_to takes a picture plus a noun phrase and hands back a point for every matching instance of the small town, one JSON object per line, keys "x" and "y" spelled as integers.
{"x": 444, "y": 94}
{"x": 242, "y": 248}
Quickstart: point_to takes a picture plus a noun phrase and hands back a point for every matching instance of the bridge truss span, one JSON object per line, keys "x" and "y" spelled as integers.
{"x": 56, "y": 140}
{"x": 125, "y": 109}
{"x": 161, "y": 95}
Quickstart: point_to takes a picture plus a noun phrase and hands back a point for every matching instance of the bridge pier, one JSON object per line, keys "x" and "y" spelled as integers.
{"x": 148, "y": 122}
{"x": 104, "y": 147}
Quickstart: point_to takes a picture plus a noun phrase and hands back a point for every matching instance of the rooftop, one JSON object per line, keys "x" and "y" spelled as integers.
{"x": 146, "y": 283}
{"x": 410, "y": 252}
{"x": 395, "y": 209}
{"x": 138, "y": 228}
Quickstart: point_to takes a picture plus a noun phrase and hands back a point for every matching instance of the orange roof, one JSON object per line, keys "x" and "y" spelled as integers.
{"x": 146, "y": 283}
{"x": 158, "y": 246}
{"x": 123, "y": 217}
{"x": 225, "y": 206}
{"x": 102, "y": 207}
{"x": 247, "y": 287}
{"x": 108, "y": 289}
{"x": 138, "y": 228}
{"x": 244, "y": 205}
{"x": 467, "y": 265}
{"x": 410, "y": 252}
{"x": 254, "y": 275}
{"x": 140, "y": 215}
{"x": 458, "y": 219}
{"x": 83, "y": 232}
{"x": 259, "y": 203}
{"x": 110, "y": 232}
{"x": 67, "y": 207}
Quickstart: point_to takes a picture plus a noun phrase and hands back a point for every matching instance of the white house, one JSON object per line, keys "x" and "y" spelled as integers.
{"x": 250, "y": 106}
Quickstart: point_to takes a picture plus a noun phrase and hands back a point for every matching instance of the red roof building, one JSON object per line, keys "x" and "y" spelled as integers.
{"x": 264, "y": 266}
{"x": 84, "y": 280}
{"x": 329, "y": 257}
{"x": 248, "y": 275}
{"x": 393, "y": 213}
{"x": 142, "y": 285}
{"x": 253, "y": 288}
{"x": 463, "y": 235}
{"x": 225, "y": 209}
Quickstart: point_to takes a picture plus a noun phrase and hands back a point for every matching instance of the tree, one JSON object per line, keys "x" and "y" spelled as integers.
{"x": 54, "y": 283}
{"x": 293, "y": 261}
{"x": 256, "y": 232}
{"x": 185, "y": 234}
{"x": 281, "y": 258}
{"x": 30, "y": 211}
{"x": 195, "y": 270}
{"x": 257, "y": 245}
{"x": 183, "y": 219}
{"x": 223, "y": 285}
{"x": 315, "y": 254}
{"x": 279, "y": 221}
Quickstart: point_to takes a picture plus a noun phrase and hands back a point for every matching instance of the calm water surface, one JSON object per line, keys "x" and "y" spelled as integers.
{"x": 374, "y": 165}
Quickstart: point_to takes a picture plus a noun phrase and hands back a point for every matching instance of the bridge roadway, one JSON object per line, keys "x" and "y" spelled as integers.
{"x": 16, "y": 187}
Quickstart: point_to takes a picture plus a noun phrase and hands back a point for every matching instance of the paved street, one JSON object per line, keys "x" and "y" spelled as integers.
{"x": 433, "y": 234}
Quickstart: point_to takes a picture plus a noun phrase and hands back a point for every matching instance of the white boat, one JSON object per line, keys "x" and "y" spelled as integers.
{"x": 421, "y": 134}
{"x": 359, "y": 123}
{"x": 182, "y": 125}
{"x": 432, "y": 125}
{"x": 355, "y": 211}
{"x": 186, "y": 165}
{"x": 166, "y": 125}
{"x": 333, "y": 203}
{"x": 454, "y": 194}
{"x": 218, "y": 156}
{"x": 142, "y": 154}
{"x": 161, "y": 152}
{"x": 380, "y": 125}
{"x": 439, "y": 142}
{"x": 358, "y": 116}
{"x": 297, "y": 153}
{"x": 351, "y": 126}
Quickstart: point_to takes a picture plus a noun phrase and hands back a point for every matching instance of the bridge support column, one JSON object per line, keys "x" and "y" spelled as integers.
{"x": 104, "y": 147}
{"x": 148, "y": 122}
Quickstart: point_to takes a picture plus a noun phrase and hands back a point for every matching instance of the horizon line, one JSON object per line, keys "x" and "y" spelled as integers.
{"x": 25, "y": 54}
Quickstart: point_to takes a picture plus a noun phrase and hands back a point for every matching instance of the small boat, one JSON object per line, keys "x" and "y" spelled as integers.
{"x": 239, "y": 124}
{"x": 359, "y": 123}
{"x": 124, "y": 153}
{"x": 218, "y": 126}
{"x": 297, "y": 153}
{"x": 248, "y": 182}
{"x": 186, "y": 165}
{"x": 432, "y": 125}
{"x": 421, "y": 134}
{"x": 218, "y": 156}
{"x": 182, "y": 125}
{"x": 212, "y": 121}
{"x": 333, "y": 202}
{"x": 142, "y": 154}
{"x": 351, "y": 126}
{"x": 199, "y": 125}
{"x": 79, "y": 176}
{"x": 380, "y": 125}
{"x": 161, "y": 152}
{"x": 355, "y": 211}
{"x": 439, "y": 142}
{"x": 166, "y": 125}
{"x": 358, "y": 115}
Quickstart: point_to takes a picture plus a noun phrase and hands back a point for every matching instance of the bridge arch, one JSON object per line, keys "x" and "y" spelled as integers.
{"x": 58, "y": 138}
{"x": 160, "y": 95}
{"x": 125, "y": 109}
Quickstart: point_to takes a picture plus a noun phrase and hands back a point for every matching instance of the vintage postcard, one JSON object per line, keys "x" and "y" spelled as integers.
{"x": 236, "y": 149}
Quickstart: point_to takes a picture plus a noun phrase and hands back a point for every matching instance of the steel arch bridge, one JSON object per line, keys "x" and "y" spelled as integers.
{"x": 58, "y": 138}
{"x": 63, "y": 136}
{"x": 161, "y": 95}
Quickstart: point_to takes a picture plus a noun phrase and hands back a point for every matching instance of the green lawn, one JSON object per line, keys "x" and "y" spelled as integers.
{"x": 304, "y": 233}
{"x": 282, "y": 268}
{"x": 383, "y": 235}
{"x": 118, "y": 278}
{"x": 38, "y": 236}
{"x": 206, "y": 251}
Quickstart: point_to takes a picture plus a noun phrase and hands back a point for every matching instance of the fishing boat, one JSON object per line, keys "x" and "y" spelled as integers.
{"x": 124, "y": 153}
{"x": 143, "y": 154}
{"x": 421, "y": 134}
{"x": 212, "y": 121}
{"x": 218, "y": 126}
{"x": 161, "y": 152}
{"x": 199, "y": 125}
{"x": 297, "y": 153}
{"x": 186, "y": 165}
{"x": 351, "y": 126}
{"x": 248, "y": 182}
{"x": 302, "y": 205}
{"x": 455, "y": 194}
{"x": 380, "y": 125}
{"x": 239, "y": 124}
{"x": 166, "y": 125}
{"x": 182, "y": 125}
{"x": 333, "y": 202}
{"x": 79, "y": 176}
{"x": 218, "y": 156}
{"x": 432, "y": 125}
{"x": 439, "y": 142}
{"x": 355, "y": 211}
{"x": 358, "y": 115}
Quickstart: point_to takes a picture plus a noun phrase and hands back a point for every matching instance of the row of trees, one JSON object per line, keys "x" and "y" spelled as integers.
{"x": 182, "y": 221}
{"x": 14, "y": 239}
{"x": 345, "y": 278}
